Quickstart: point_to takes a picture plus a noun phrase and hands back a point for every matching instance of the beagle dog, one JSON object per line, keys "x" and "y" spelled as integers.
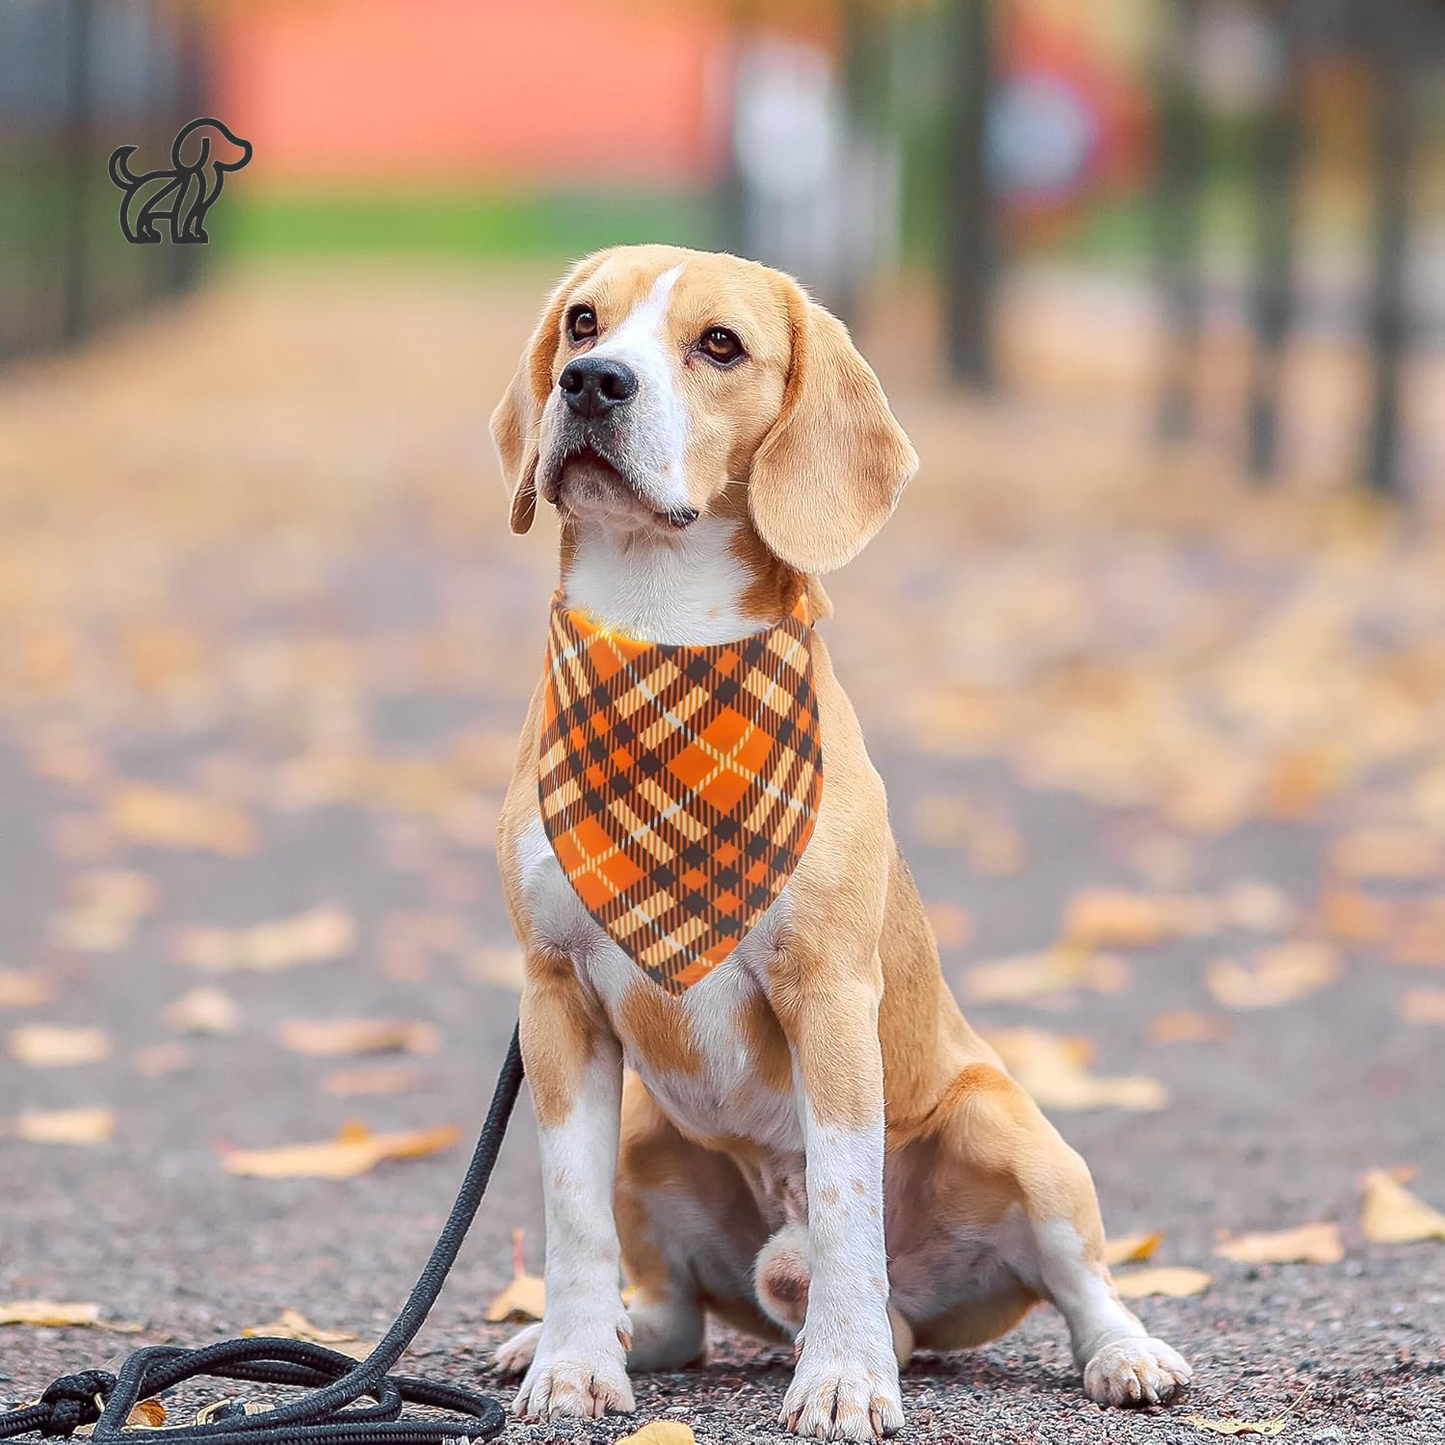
{"x": 809, "y": 1142}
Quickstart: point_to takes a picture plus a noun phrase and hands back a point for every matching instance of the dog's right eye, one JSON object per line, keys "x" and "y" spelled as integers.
{"x": 581, "y": 324}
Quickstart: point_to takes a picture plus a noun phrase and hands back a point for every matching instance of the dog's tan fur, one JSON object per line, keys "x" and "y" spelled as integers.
{"x": 985, "y": 1209}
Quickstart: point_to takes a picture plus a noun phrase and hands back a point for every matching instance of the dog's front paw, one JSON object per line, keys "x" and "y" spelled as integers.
{"x": 847, "y": 1396}
{"x": 573, "y": 1377}
{"x": 1135, "y": 1372}
{"x": 514, "y": 1355}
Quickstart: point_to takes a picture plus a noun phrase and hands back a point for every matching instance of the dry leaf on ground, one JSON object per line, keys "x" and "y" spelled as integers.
{"x": 1423, "y": 1006}
{"x": 293, "y": 1325}
{"x": 1392, "y": 1215}
{"x": 159, "y": 1059}
{"x": 661, "y": 1432}
{"x": 204, "y": 1011}
{"x": 53, "y": 1314}
{"x": 1234, "y": 1426}
{"x": 147, "y": 1415}
{"x": 502, "y": 967}
{"x": 64, "y": 1126}
{"x": 354, "y": 1151}
{"x": 951, "y": 924}
{"x": 1132, "y": 1248}
{"x": 24, "y": 988}
{"x": 317, "y": 936}
{"x": 1054, "y": 1070}
{"x": 1115, "y": 917}
{"x": 54, "y": 1046}
{"x": 525, "y": 1297}
{"x": 1389, "y": 853}
{"x": 106, "y": 905}
{"x": 324, "y": 1037}
{"x": 1187, "y": 1027}
{"x": 372, "y": 1079}
{"x": 1174, "y": 1280}
{"x": 1278, "y": 975}
{"x": 167, "y": 818}
{"x": 1031, "y": 975}
{"x": 1318, "y": 1243}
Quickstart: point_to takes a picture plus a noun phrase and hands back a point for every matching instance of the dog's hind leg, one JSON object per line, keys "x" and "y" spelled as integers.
{"x": 999, "y": 1133}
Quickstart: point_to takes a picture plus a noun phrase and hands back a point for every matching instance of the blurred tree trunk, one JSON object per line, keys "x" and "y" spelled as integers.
{"x": 80, "y": 22}
{"x": 1276, "y": 194}
{"x": 969, "y": 240}
{"x": 1396, "y": 32}
{"x": 1177, "y": 220}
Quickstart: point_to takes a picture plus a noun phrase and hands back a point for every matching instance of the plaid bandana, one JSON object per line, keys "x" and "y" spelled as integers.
{"x": 679, "y": 785}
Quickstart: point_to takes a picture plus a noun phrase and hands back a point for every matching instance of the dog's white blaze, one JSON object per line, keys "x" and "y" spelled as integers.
{"x": 1093, "y": 1312}
{"x": 656, "y": 435}
{"x": 682, "y": 588}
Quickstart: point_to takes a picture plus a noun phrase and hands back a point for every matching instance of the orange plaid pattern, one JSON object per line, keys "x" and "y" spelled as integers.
{"x": 679, "y": 785}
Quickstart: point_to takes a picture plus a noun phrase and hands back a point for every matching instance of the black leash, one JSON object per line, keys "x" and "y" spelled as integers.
{"x": 337, "y": 1380}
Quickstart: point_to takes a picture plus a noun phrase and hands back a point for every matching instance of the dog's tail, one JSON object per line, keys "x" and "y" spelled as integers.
{"x": 120, "y": 171}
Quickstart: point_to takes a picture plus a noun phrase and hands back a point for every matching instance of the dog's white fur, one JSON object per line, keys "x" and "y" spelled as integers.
{"x": 766, "y": 1172}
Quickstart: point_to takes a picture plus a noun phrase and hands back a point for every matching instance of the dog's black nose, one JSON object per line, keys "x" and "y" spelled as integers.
{"x": 595, "y": 384}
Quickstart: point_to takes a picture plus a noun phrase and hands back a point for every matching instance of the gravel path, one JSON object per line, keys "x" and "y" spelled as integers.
{"x": 266, "y": 652}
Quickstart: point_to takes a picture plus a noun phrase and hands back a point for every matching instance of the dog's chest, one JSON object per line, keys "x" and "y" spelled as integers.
{"x": 714, "y": 1058}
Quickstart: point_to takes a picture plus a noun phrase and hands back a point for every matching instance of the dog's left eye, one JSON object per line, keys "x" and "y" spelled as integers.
{"x": 720, "y": 345}
{"x": 581, "y": 324}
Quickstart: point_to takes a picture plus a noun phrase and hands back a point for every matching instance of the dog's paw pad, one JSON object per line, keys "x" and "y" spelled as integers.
{"x": 1135, "y": 1372}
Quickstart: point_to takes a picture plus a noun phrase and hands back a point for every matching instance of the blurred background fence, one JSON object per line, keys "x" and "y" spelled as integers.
{"x": 1267, "y": 170}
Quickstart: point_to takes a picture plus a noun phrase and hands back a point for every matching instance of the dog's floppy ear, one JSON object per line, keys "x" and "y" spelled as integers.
{"x": 515, "y": 421}
{"x": 831, "y": 470}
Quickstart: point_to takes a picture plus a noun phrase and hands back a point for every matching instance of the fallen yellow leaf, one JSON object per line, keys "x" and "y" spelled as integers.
{"x": 1185, "y": 1027}
{"x": 59, "y": 1315}
{"x": 204, "y": 1011}
{"x": 53, "y": 1046}
{"x": 1234, "y": 1426}
{"x": 293, "y": 1325}
{"x": 24, "y": 988}
{"x": 525, "y": 1297}
{"x": 501, "y": 967}
{"x": 158, "y": 1059}
{"x": 1423, "y": 1006}
{"x": 1175, "y": 1280}
{"x": 1278, "y": 975}
{"x": 360, "y": 1036}
{"x": 951, "y": 925}
{"x": 1389, "y": 853}
{"x": 147, "y": 1415}
{"x": 1305, "y": 1244}
{"x": 661, "y": 1432}
{"x": 1053, "y": 1069}
{"x": 317, "y": 936}
{"x": 1030, "y": 975}
{"x": 352, "y": 1153}
{"x": 1114, "y": 916}
{"x": 1132, "y": 1248}
{"x": 65, "y": 1126}
{"x": 1392, "y": 1215}
{"x": 166, "y": 818}
{"x": 375, "y": 1079}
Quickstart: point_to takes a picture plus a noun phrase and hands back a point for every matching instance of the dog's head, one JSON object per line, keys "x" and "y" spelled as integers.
{"x": 657, "y": 377}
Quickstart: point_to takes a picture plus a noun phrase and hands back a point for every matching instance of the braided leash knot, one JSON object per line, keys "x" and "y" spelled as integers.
{"x": 72, "y": 1400}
